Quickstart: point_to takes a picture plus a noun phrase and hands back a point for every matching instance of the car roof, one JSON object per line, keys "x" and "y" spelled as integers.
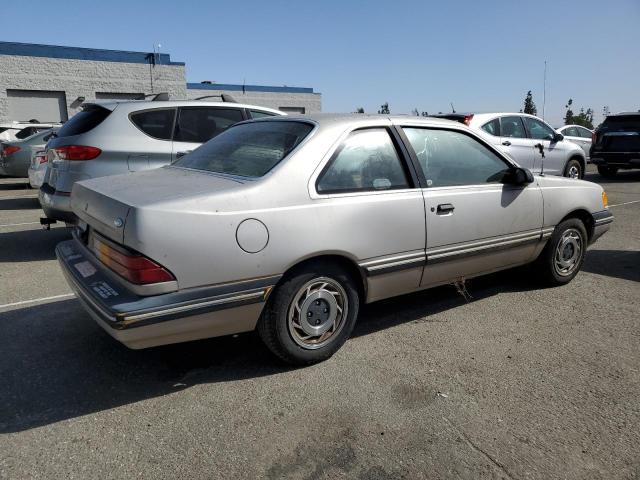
{"x": 348, "y": 119}
{"x": 132, "y": 105}
{"x": 623, "y": 114}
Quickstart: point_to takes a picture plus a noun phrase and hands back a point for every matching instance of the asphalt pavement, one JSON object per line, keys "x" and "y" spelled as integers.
{"x": 518, "y": 382}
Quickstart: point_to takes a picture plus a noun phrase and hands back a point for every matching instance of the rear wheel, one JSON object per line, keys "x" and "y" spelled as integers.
{"x": 607, "y": 171}
{"x": 310, "y": 315}
{"x": 573, "y": 169}
{"x": 563, "y": 256}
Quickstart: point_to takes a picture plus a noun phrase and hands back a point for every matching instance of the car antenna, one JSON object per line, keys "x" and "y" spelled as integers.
{"x": 453, "y": 110}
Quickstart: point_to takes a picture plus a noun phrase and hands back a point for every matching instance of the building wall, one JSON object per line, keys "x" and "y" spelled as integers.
{"x": 84, "y": 78}
{"x": 311, "y": 102}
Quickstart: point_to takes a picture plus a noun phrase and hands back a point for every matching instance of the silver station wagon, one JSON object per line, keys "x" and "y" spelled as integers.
{"x": 288, "y": 224}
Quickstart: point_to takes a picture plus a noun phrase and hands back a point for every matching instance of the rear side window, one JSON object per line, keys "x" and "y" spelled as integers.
{"x": 512, "y": 127}
{"x": 200, "y": 124}
{"x": 156, "y": 123}
{"x": 571, "y": 132}
{"x": 260, "y": 114}
{"x": 248, "y": 150}
{"x": 584, "y": 133}
{"x": 492, "y": 127}
{"x": 83, "y": 121}
{"x": 366, "y": 161}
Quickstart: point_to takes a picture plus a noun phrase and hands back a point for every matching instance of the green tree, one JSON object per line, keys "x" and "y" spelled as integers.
{"x": 415, "y": 112}
{"x": 568, "y": 116}
{"x": 384, "y": 108}
{"x": 529, "y": 105}
{"x": 584, "y": 118}
{"x": 425, "y": 114}
{"x": 359, "y": 110}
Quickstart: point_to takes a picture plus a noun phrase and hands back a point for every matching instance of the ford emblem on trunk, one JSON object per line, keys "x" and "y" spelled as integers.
{"x": 118, "y": 222}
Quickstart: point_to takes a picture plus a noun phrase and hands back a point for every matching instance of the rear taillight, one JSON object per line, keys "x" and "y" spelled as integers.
{"x": 77, "y": 152}
{"x": 132, "y": 266}
{"x": 10, "y": 150}
{"x": 41, "y": 157}
{"x": 467, "y": 119}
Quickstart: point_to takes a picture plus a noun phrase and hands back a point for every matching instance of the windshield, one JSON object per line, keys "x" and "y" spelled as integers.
{"x": 621, "y": 123}
{"x": 249, "y": 149}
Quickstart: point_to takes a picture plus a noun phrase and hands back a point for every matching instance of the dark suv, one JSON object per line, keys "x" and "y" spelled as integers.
{"x": 616, "y": 143}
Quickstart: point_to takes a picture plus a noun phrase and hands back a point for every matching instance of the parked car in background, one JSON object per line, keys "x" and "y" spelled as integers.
{"x": 119, "y": 137}
{"x": 616, "y": 143}
{"x": 579, "y": 135}
{"x": 529, "y": 141}
{"x": 12, "y": 131}
{"x": 288, "y": 225}
{"x": 38, "y": 167}
{"x": 15, "y": 157}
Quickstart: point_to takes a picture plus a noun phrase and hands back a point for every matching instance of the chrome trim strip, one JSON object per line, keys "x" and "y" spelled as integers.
{"x": 394, "y": 263}
{"x": 450, "y": 254}
{"x": 506, "y": 239}
{"x": 130, "y": 319}
{"x": 604, "y": 221}
{"x": 392, "y": 260}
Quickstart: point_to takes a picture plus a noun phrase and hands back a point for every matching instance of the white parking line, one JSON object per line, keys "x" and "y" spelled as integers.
{"x": 18, "y": 224}
{"x": 625, "y": 203}
{"x": 17, "y": 197}
{"x": 37, "y": 300}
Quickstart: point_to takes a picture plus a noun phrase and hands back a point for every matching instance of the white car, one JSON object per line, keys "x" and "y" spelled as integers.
{"x": 579, "y": 135}
{"x": 528, "y": 140}
{"x": 13, "y": 131}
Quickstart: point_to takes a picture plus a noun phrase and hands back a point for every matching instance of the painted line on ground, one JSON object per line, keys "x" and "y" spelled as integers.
{"x": 36, "y": 300}
{"x": 624, "y": 203}
{"x": 19, "y": 224}
{"x": 18, "y": 197}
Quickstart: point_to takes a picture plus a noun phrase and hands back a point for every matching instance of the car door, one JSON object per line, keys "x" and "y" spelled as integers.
{"x": 553, "y": 157}
{"x": 585, "y": 139}
{"x": 515, "y": 142}
{"x": 475, "y": 224}
{"x": 153, "y": 149}
{"x": 197, "y": 125}
{"x": 376, "y": 204}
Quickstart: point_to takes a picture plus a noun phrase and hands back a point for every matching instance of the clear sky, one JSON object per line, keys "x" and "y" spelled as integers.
{"x": 480, "y": 55}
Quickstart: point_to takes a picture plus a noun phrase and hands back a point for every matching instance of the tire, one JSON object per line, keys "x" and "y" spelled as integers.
{"x": 558, "y": 264}
{"x": 574, "y": 169}
{"x": 317, "y": 290}
{"x": 606, "y": 171}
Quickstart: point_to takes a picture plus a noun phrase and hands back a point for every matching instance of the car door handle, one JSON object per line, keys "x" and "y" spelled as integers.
{"x": 182, "y": 154}
{"x": 506, "y": 143}
{"x": 444, "y": 208}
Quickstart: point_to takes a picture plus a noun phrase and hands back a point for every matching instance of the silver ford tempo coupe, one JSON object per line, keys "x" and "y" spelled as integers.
{"x": 286, "y": 225}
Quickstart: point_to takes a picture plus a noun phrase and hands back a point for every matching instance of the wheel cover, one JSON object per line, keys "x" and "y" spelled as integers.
{"x": 568, "y": 252}
{"x": 574, "y": 171}
{"x": 317, "y": 313}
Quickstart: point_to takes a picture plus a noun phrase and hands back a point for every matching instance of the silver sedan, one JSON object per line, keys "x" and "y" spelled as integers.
{"x": 288, "y": 225}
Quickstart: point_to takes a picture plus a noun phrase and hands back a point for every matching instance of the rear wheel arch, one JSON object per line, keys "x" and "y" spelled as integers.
{"x": 345, "y": 263}
{"x": 581, "y": 160}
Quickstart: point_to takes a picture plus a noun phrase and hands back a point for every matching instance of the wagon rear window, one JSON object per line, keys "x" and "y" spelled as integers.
{"x": 248, "y": 150}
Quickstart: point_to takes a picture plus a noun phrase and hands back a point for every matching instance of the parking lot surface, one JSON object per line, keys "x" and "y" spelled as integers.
{"x": 518, "y": 382}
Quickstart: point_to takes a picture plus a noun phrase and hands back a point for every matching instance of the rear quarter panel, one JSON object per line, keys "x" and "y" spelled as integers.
{"x": 562, "y": 196}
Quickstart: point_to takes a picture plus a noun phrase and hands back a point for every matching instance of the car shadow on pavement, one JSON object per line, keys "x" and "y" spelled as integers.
{"x": 58, "y": 364}
{"x": 624, "y": 264}
{"x": 622, "y": 176}
{"x": 17, "y": 185}
{"x": 27, "y": 203}
{"x": 31, "y": 245}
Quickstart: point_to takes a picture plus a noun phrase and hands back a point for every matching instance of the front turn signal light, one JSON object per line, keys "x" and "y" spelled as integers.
{"x": 605, "y": 200}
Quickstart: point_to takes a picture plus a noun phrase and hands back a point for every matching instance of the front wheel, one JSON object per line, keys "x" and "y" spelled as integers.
{"x": 606, "y": 171}
{"x": 563, "y": 256}
{"x": 310, "y": 315}
{"x": 573, "y": 169}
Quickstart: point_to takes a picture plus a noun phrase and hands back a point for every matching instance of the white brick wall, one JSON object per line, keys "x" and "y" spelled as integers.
{"x": 85, "y": 77}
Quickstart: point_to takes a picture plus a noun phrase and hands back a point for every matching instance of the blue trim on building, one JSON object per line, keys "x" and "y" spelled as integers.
{"x": 77, "y": 53}
{"x": 246, "y": 88}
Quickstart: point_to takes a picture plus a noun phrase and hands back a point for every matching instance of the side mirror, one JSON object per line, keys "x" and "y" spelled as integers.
{"x": 517, "y": 176}
{"x": 558, "y": 137}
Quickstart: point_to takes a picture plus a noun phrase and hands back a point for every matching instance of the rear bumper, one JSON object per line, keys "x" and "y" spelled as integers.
{"x": 620, "y": 160}
{"x": 56, "y": 206}
{"x": 36, "y": 177}
{"x": 141, "y": 322}
{"x": 602, "y": 223}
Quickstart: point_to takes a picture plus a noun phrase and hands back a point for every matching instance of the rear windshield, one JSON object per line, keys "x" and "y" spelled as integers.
{"x": 249, "y": 149}
{"x": 621, "y": 123}
{"x": 83, "y": 121}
